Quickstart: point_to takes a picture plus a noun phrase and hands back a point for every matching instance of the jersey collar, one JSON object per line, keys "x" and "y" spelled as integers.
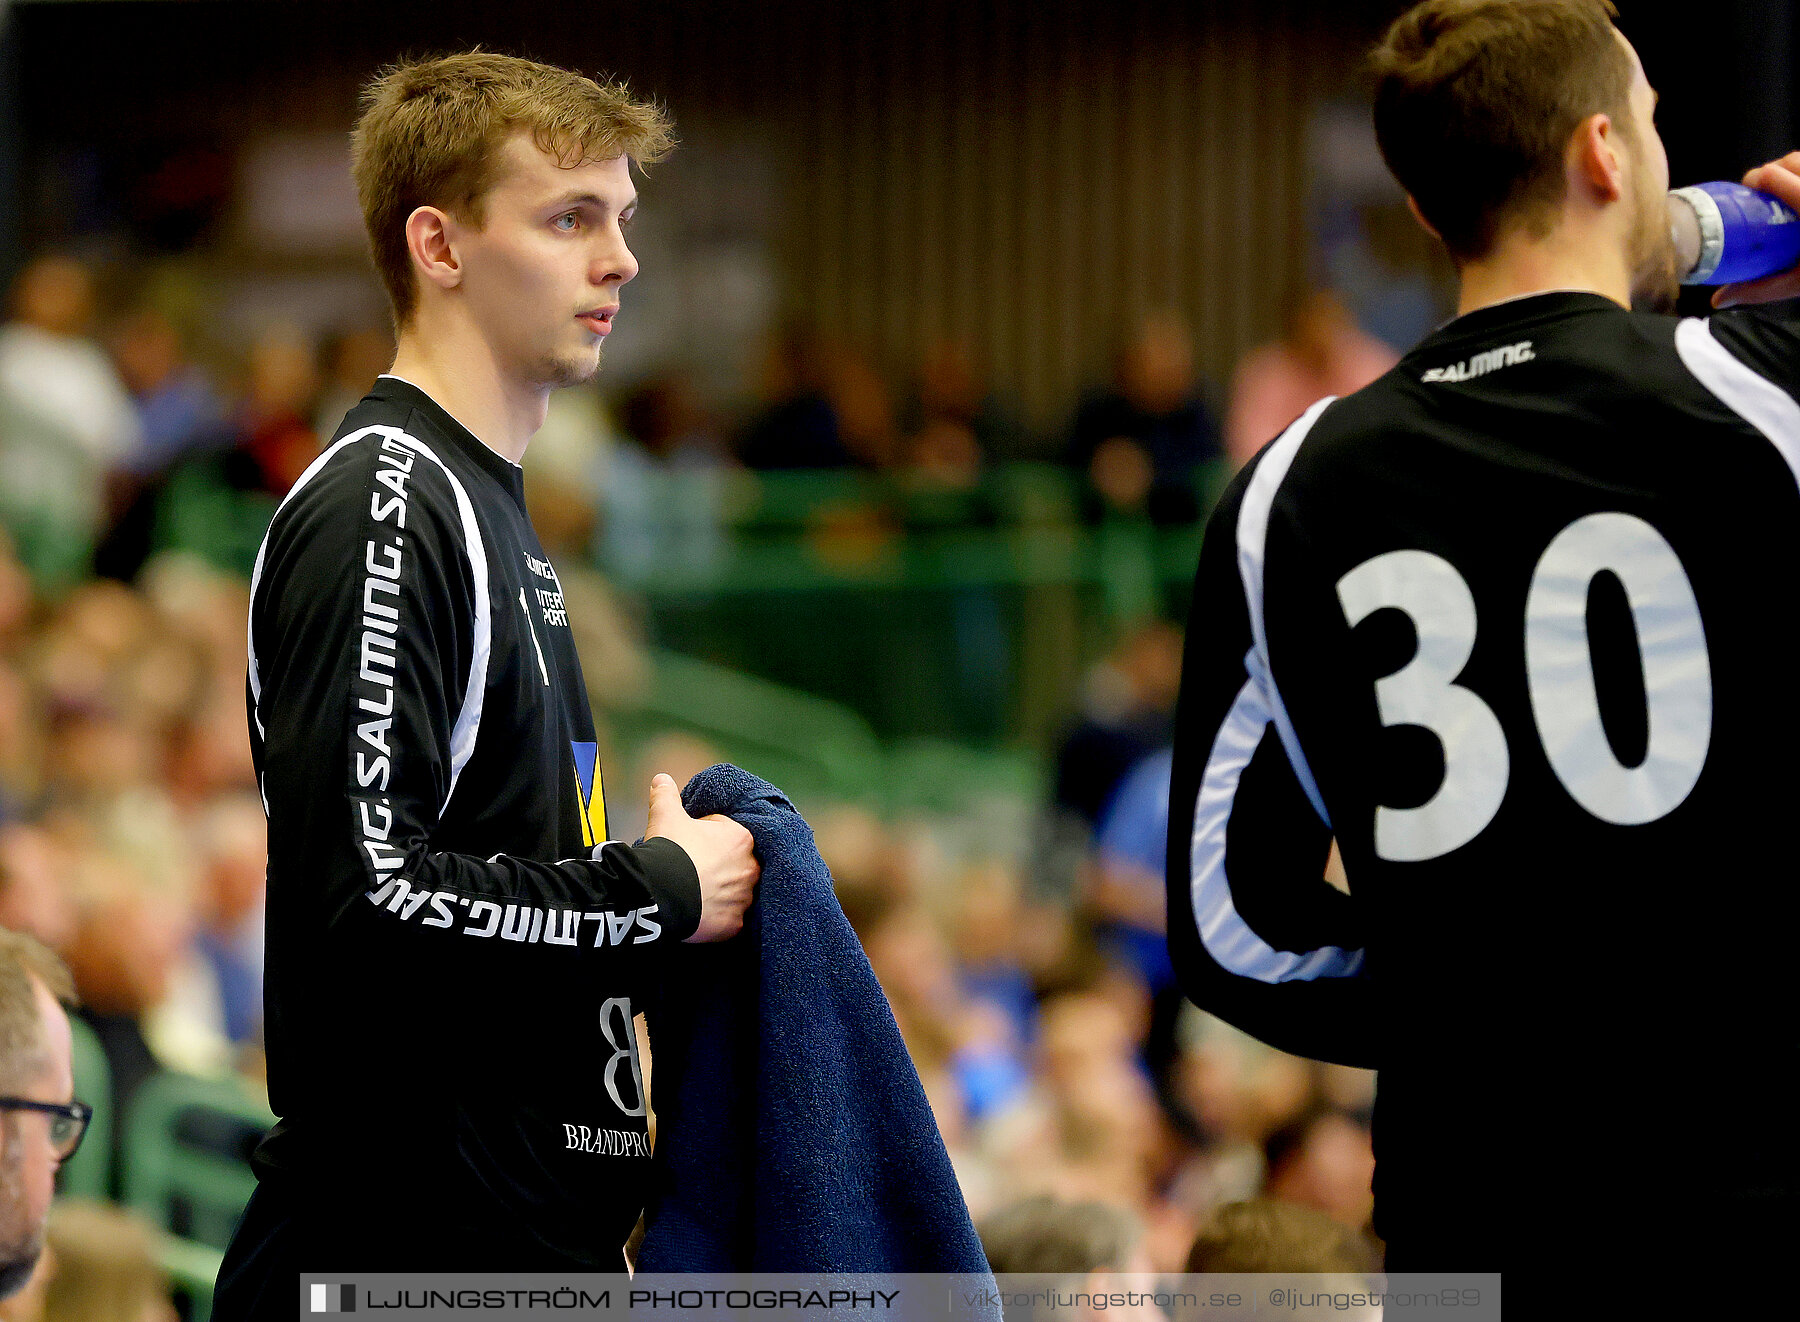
{"x": 508, "y": 474}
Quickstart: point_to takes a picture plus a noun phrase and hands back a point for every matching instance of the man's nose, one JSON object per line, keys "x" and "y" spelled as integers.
{"x": 620, "y": 263}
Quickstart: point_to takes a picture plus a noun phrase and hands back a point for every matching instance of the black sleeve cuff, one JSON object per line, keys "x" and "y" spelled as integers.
{"x": 674, "y": 884}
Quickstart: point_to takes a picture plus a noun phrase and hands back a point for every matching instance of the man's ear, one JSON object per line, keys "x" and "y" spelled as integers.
{"x": 434, "y": 255}
{"x": 1412, "y": 205}
{"x": 1596, "y": 158}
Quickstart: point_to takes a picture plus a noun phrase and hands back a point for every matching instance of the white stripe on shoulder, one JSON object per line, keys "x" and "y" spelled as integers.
{"x": 312, "y": 470}
{"x": 468, "y": 720}
{"x": 1252, "y": 544}
{"x": 1746, "y": 392}
{"x": 1227, "y": 937}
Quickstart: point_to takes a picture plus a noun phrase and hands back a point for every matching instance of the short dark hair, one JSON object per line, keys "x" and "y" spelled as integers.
{"x": 25, "y": 961}
{"x": 1475, "y": 101}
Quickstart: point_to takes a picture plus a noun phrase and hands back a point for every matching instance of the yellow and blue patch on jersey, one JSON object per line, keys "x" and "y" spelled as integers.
{"x": 590, "y": 791}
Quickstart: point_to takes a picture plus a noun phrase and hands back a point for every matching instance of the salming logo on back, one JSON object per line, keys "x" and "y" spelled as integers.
{"x": 1483, "y": 363}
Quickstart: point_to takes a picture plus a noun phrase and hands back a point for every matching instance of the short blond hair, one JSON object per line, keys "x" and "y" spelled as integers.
{"x": 24, "y": 962}
{"x": 431, "y": 132}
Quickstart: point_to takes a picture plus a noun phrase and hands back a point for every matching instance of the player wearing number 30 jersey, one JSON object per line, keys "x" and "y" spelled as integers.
{"x": 1508, "y": 624}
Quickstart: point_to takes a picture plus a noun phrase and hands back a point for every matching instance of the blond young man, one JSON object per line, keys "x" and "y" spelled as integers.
{"x": 1499, "y": 623}
{"x": 456, "y": 951}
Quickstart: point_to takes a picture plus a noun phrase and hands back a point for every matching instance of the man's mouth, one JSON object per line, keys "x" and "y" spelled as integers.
{"x": 599, "y": 321}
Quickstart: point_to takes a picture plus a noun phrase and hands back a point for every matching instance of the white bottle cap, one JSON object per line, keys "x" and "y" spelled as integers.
{"x": 1712, "y": 235}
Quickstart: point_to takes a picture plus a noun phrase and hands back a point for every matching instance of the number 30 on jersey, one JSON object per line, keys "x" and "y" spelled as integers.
{"x": 1560, "y": 673}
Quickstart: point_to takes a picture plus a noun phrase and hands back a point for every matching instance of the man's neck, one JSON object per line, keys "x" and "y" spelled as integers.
{"x": 462, "y": 378}
{"x": 1562, "y": 260}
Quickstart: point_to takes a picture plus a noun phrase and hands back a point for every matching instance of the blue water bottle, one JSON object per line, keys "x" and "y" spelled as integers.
{"x": 1725, "y": 233}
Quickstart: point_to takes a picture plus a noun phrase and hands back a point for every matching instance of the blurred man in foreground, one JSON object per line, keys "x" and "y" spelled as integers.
{"x": 1499, "y": 623}
{"x": 40, "y": 1122}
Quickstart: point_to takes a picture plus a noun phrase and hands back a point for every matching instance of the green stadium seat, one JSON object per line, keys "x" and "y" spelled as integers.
{"x": 88, "y": 1174}
{"x": 793, "y": 499}
{"x": 200, "y": 512}
{"x": 1033, "y": 495}
{"x": 938, "y": 776}
{"x": 187, "y": 1170}
{"x": 813, "y": 748}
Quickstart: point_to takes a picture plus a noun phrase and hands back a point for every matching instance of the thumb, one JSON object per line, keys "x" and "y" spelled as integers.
{"x": 665, "y": 802}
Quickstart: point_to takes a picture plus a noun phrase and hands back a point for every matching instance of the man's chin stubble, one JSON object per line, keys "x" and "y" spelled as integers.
{"x": 560, "y": 375}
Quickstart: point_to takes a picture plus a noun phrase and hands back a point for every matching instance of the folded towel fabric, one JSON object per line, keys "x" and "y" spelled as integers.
{"x": 792, "y": 1132}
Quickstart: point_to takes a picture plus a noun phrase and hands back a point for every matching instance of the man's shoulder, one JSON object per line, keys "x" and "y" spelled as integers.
{"x": 377, "y": 472}
{"x": 1765, "y": 337}
{"x": 387, "y": 413}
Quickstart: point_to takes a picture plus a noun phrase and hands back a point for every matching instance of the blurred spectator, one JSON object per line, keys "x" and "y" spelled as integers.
{"x": 35, "y": 1072}
{"x": 1044, "y": 1234}
{"x": 1242, "y": 1090}
{"x": 33, "y": 897}
{"x": 914, "y": 965}
{"x": 275, "y": 418}
{"x": 65, "y": 419}
{"x": 798, "y": 425}
{"x": 21, "y": 744}
{"x": 683, "y": 756}
{"x": 1322, "y": 351}
{"x": 94, "y": 629}
{"x": 351, "y": 360}
{"x": 16, "y": 595}
{"x": 1324, "y": 1161}
{"x": 233, "y": 848}
{"x": 181, "y": 415}
{"x": 565, "y": 471}
{"x": 610, "y": 639}
{"x": 178, "y": 408}
{"x": 1129, "y": 896}
{"x": 1143, "y": 441}
{"x": 1128, "y": 704}
{"x": 955, "y": 424}
{"x": 868, "y": 868}
{"x": 1090, "y": 1128}
{"x": 127, "y": 944}
{"x": 664, "y": 484}
{"x": 107, "y": 1268}
{"x": 864, "y": 407}
{"x": 944, "y": 454}
{"x": 1265, "y": 1235}
{"x": 1130, "y": 891}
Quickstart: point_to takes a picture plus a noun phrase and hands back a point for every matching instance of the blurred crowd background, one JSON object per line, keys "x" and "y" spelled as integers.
{"x": 953, "y": 321}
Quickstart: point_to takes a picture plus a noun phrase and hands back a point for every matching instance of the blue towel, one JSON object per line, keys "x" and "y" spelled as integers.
{"x": 792, "y": 1134}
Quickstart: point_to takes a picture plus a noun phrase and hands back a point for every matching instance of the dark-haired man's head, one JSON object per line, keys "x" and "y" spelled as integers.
{"x": 1501, "y": 118}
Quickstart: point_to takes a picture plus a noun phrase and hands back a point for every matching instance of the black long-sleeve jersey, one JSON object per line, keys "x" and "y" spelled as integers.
{"x": 1509, "y": 625}
{"x": 453, "y": 946}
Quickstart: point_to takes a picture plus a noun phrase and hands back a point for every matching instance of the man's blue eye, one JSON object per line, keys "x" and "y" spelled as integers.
{"x": 568, "y": 216}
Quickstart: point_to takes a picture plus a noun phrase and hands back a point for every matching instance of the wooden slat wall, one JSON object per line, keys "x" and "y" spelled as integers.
{"x": 1035, "y": 177}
